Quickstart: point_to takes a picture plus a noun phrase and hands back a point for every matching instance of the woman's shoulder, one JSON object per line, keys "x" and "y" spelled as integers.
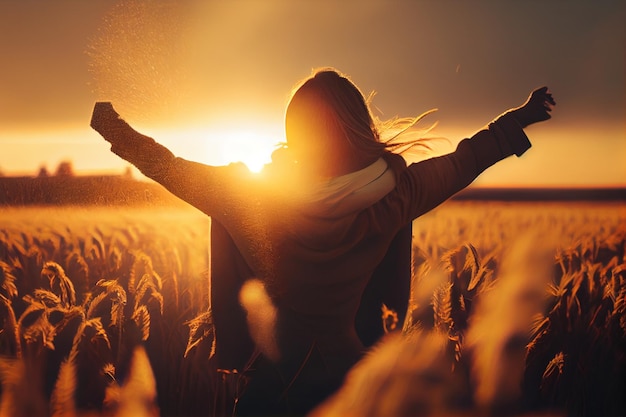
{"x": 396, "y": 163}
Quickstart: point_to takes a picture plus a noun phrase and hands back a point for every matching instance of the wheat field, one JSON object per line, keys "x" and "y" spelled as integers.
{"x": 515, "y": 309}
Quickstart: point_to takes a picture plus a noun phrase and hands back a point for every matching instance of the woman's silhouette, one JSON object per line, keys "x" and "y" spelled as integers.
{"x": 316, "y": 223}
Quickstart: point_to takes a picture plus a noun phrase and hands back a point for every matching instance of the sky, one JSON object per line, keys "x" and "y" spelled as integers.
{"x": 210, "y": 79}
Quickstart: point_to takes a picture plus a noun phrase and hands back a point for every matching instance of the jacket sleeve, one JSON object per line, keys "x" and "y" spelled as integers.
{"x": 426, "y": 184}
{"x": 204, "y": 187}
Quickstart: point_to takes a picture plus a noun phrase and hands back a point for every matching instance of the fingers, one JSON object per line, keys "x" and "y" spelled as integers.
{"x": 544, "y": 95}
{"x": 547, "y": 108}
{"x": 548, "y": 103}
{"x": 543, "y": 101}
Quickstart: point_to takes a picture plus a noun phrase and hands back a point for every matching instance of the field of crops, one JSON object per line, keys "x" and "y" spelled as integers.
{"x": 516, "y": 308}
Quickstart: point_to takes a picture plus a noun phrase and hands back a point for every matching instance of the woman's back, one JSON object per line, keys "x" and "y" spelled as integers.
{"x": 314, "y": 230}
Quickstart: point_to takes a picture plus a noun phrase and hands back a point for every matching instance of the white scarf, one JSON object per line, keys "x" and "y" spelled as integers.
{"x": 351, "y": 192}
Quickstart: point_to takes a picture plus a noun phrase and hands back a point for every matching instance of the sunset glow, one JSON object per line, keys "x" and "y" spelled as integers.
{"x": 89, "y": 154}
{"x": 583, "y": 165}
{"x": 252, "y": 145}
{"x": 252, "y": 148}
{"x": 197, "y": 77}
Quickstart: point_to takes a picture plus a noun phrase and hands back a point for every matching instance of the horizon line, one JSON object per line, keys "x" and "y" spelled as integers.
{"x": 138, "y": 176}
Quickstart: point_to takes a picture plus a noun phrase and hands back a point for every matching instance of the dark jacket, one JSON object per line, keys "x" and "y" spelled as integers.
{"x": 315, "y": 266}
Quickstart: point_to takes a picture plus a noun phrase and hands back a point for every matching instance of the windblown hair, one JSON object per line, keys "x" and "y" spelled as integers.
{"x": 328, "y": 110}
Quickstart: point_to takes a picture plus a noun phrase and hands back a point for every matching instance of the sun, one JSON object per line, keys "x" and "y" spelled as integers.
{"x": 252, "y": 145}
{"x": 253, "y": 148}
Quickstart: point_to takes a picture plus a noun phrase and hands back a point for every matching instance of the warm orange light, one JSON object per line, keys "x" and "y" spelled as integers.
{"x": 252, "y": 148}
{"x": 222, "y": 145}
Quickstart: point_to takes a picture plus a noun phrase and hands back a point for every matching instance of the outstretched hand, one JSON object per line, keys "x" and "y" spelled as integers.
{"x": 536, "y": 109}
{"x": 103, "y": 116}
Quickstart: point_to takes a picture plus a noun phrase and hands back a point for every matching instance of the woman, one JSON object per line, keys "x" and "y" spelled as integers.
{"x": 317, "y": 222}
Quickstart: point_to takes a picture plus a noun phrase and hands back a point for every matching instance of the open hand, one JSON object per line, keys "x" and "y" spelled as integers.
{"x": 103, "y": 116}
{"x": 536, "y": 109}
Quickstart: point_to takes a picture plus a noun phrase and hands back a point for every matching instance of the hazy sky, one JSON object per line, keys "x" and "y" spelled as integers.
{"x": 210, "y": 79}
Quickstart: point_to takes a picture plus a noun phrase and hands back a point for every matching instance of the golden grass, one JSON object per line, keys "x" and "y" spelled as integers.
{"x": 492, "y": 326}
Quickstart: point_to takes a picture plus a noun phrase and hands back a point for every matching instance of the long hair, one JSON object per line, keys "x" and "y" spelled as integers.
{"x": 328, "y": 121}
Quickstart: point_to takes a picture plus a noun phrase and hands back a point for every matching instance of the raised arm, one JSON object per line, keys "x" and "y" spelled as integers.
{"x": 198, "y": 184}
{"x": 152, "y": 159}
{"x": 427, "y": 184}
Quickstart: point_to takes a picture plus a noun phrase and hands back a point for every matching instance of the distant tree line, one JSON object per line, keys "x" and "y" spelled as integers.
{"x": 65, "y": 188}
{"x": 64, "y": 169}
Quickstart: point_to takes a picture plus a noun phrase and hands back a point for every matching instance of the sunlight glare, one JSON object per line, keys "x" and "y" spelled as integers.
{"x": 252, "y": 148}
{"x": 219, "y": 146}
